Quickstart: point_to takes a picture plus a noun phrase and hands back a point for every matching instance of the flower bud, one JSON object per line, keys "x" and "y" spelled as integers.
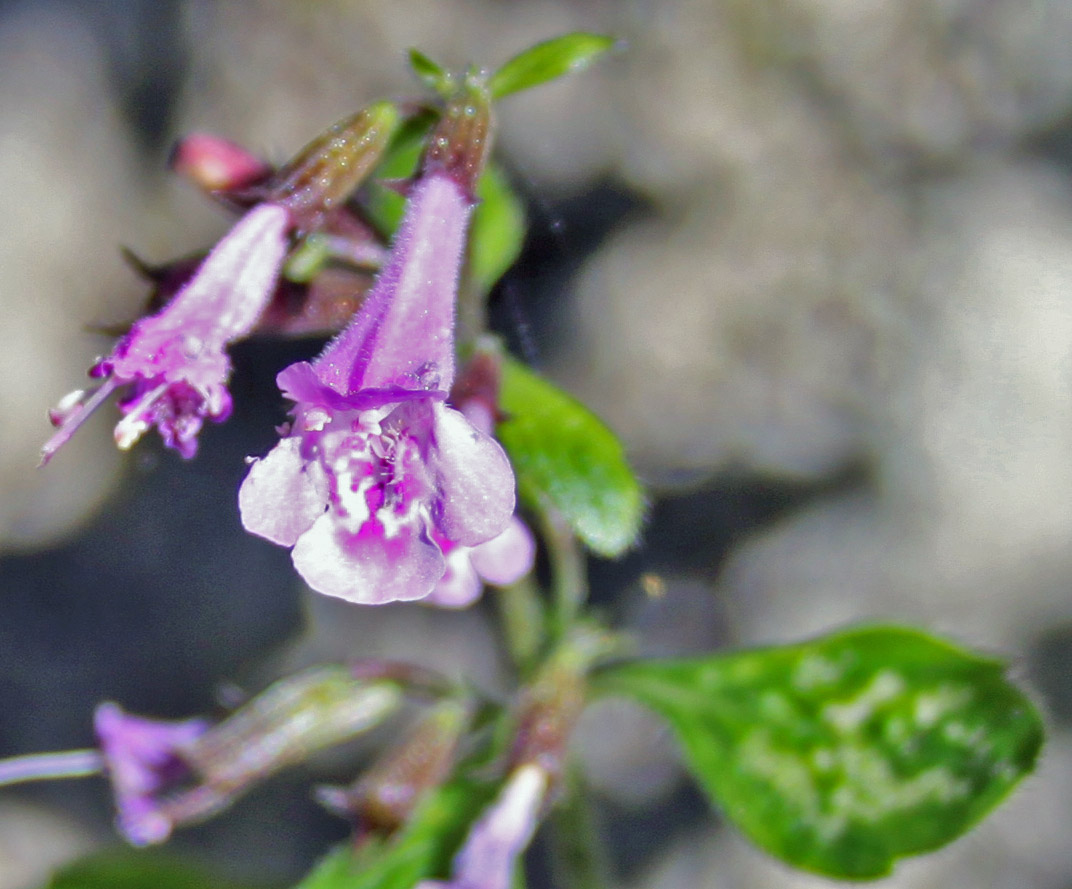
{"x": 386, "y": 795}
{"x": 325, "y": 172}
{"x": 551, "y": 705}
{"x": 214, "y": 164}
{"x": 289, "y": 721}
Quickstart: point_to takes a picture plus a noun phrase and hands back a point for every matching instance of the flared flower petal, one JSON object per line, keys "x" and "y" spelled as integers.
{"x": 501, "y": 561}
{"x": 460, "y": 586}
{"x": 507, "y": 558}
{"x": 476, "y": 481}
{"x": 367, "y": 567}
{"x": 283, "y": 494}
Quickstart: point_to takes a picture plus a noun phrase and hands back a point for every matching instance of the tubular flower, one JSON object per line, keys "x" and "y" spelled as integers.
{"x": 145, "y": 758}
{"x": 495, "y": 843}
{"x": 173, "y": 365}
{"x": 375, "y": 471}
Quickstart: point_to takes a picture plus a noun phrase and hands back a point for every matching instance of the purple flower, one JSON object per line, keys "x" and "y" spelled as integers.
{"x": 376, "y": 471}
{"x": 496, "y": 841}
{"x": 173, "y": 364}
{"x": 144, "y": 760}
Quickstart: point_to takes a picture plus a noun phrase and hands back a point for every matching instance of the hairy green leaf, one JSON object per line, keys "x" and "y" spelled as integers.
{"x": 430, "y": 73}
{"x": 846, "y": 753}
{"x": 565, "y": 457}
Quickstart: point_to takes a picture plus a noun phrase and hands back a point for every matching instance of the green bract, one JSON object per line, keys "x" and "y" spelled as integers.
{"x": 431, "y": 74}
{"x": 548, "y": 60}
{"x": 565, "y": 457}
{"x": 844, "y": 754}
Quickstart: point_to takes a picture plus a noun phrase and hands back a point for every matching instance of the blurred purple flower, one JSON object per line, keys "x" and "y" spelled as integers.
{"x": 173, "y": 363}
{"x": 144, "y": 758}
{"x": 501, "y": 561}
{"x": 496, "y": 841}
{"x": 376, "y": 470}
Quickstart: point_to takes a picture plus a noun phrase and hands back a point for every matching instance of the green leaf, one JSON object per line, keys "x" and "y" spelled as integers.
{"x": 130, "y": 869}
{"x": 423, "y": 849}
{"x": 498, "y": 230}
{"x": 566, "y": 458}
{"x": 548, "y": 60}
{"x": 307, "y": 260}
{"x": 431, "y": 74}
{"x": 846, "y": 753}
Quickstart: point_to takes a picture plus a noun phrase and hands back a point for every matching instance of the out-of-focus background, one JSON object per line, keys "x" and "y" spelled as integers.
{"x": 812, "y": 259}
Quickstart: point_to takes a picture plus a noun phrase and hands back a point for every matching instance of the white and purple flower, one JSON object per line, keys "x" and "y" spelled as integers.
{"x": 377, "y": 477}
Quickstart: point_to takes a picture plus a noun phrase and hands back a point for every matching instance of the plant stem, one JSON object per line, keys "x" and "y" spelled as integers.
{"x": 580, "y": 860}
{"x": 523, "y": 621}
{"x": 49, "y": 766}
{"x": 569, "y": 581}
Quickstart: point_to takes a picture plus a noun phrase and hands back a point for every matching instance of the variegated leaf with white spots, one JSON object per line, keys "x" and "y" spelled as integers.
{"x": 843, "y": 754}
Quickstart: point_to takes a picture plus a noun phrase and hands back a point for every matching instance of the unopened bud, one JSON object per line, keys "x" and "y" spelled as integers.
{"x": 288, "y": 722}
{"x": 214, "y": 164}
{"x": 326, "y": 172}
{"x": 386, "y": 795}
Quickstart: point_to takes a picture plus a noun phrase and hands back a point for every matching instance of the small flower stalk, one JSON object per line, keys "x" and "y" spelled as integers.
{"x": 376, "y": 475}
